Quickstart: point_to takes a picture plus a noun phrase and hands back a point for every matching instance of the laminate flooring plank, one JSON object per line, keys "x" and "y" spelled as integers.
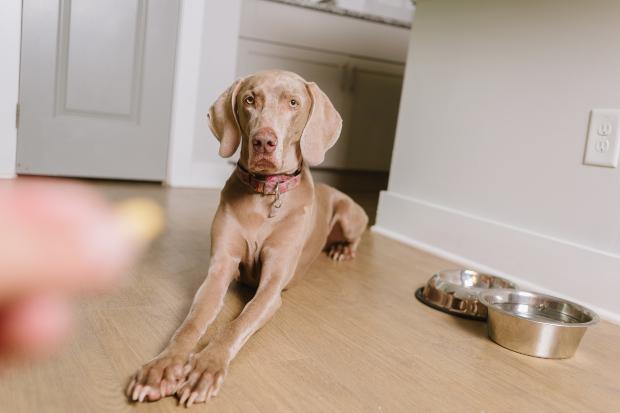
{"x": 363, "y": 281}
{"x": 273, "y": 342}
{"x": 506, "y": 381}
{"x": 163, "y": 259}
{"x": 132, "y": 292}
{"x": 373, "y": 354}
{"x": 79, "y": 379}
{"x": 292, "y": 386}
{"x": 132, "y": 336}
{"x": 176, "y": 290}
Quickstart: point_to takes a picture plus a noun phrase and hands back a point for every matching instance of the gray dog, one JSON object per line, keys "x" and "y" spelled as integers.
{"x": 271, "y": 224}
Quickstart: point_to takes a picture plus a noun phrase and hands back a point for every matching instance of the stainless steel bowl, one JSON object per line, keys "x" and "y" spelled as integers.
{"x": 456, "y": 292}
{"x": 536, "y": 324}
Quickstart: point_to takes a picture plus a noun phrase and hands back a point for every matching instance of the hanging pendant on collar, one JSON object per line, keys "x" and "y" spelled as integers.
{"x": 277, "y": 203}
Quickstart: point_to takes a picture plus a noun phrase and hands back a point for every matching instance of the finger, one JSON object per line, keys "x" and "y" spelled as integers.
{"x": 34, "y": 325}
{"x": 68, "y": 228}
{"x": 54, "y": 233}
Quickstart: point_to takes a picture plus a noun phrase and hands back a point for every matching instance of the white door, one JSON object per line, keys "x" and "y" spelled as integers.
{"x": 96, "y": 87}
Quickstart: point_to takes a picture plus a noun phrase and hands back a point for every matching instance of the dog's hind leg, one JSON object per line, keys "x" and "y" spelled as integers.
{"x": 347, "y": 225}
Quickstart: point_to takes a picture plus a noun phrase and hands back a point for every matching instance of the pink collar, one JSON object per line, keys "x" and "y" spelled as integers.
{"x": 269, "y": 183}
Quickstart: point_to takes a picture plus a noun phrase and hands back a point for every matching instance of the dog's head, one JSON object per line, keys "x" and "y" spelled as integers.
{"x": 278, "y": 118}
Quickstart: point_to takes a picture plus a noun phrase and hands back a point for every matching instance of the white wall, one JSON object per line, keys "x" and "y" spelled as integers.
{"x": 10, "y": 35}
{"x": 488, "y": 160}
{"x": 206, "y": 61}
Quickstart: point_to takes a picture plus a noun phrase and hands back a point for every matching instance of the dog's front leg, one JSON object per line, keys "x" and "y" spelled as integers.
{"x": 210, "y": 366}
{"x": 161, "y": 376}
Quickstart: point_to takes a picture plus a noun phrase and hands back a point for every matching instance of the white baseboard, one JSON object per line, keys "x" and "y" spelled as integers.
{"x": 7, "y": 176}
{"x": 204, "y": 175}
{"x": 534, "y": 261}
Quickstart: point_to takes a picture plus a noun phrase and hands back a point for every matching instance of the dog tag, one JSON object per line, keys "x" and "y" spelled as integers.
{"x": 273, "y": 212}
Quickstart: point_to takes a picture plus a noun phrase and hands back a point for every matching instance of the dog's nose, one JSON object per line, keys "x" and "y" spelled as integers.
{"x": 265, "y": 141}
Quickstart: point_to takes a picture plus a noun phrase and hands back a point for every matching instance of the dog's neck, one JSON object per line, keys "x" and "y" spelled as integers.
{"x": 269, "y": 184}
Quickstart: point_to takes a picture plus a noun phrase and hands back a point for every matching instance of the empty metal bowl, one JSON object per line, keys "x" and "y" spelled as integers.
{"x": 536, "y": 324}
{"x": 456, "y": 292}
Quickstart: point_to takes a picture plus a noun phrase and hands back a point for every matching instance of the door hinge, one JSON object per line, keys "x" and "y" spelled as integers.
{"x": 17, "y": 116}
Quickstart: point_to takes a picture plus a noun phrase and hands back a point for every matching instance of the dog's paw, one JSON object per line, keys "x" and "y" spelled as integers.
{"x": 158, "y": 378}
{"x": 208, "y": 371}
{"x": 340, "y": 252}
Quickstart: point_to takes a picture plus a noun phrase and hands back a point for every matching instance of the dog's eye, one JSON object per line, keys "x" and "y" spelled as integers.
{"x": 249, "y": 100}
{"x": 293, "y": 103}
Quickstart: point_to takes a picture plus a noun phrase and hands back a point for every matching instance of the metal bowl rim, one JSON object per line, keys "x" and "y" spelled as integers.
{"x": 438, "y": 274}
{"x": 595, "y": 318}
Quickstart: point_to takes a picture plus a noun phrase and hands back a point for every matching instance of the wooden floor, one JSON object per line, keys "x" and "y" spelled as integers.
{"x": 350, "y": 337}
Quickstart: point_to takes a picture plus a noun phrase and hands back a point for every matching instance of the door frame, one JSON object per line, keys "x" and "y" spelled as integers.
{"x": 10, "y": 48}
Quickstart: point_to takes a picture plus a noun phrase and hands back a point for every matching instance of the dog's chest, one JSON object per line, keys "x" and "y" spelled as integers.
{"x": 278, "y": 240}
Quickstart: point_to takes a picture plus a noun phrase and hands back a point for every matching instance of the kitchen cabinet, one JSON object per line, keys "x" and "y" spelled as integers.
{"x": 365, "y": 89}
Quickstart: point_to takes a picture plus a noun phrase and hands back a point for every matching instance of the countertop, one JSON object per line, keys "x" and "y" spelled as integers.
{"x": 344, "y": 12}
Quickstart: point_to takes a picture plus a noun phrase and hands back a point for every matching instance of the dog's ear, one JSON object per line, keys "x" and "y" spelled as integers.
{"x": 223, "y": 122}
{"x": 322, "y": 129}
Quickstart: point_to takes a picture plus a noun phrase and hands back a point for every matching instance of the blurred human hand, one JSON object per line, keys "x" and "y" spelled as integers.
{"x": 57, "y": 239}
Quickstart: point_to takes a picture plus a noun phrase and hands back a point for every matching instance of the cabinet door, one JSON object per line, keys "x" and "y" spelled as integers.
{"x": 374, "y": 89}
{"x": 325, "y": 69}
{"x": 366, "y": 93}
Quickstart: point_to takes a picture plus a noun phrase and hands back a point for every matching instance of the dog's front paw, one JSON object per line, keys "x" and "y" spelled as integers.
{"x": 208, "y": 371}
{"x": 158, "y": 378}
{"x": 339, "y": 252}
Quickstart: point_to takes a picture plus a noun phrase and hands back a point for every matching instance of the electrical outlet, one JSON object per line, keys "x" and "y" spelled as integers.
{"x": 603, "y": 143}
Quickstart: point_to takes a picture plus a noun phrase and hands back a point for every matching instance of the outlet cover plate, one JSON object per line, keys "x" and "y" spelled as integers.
{"x": 603, "y": 144}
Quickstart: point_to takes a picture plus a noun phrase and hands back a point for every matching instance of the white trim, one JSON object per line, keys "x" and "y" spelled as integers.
{"x": 10, "y": 44}
{"x": 205, "y": 175}
{"x": 186, "y": 76}
{"x": 205, "y": 66}
{"x": 536, "y": 262}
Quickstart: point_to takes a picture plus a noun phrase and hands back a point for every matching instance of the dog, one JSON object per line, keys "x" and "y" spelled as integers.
{"x": 271, "y": 224}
